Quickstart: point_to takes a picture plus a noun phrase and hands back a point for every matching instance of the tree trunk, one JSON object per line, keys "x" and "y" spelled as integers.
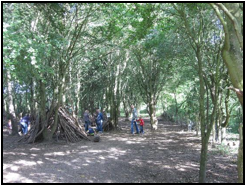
{"x": 216, "y": 131}
{"x": 213, "y": 135}
{"x": 126, "y": 110}
{"x": 203, "y": 161}
{"x": 66, "y": 97}
{"x": 197, "y": 125}
{"x": 153, "y": 119}
{"x": 232, "y": 50}
{"x": 223, "y": 135}
{"x": 11, "y": 111}
{"x": 114, "y": 110}
{"x": 217, "y": 124}
{"x": 176, "y": 105}
{"x": 219, "y": 128}
{"x": 43, "y": 111}
{"x": 240, "y": 162}
{"x": 32, "y": 103}
{"x": 77, "y": 94}
{"x": 4, "y": 114}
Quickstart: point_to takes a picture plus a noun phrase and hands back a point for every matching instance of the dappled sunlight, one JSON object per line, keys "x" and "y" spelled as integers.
{"x": 101, "y": 157}
{"x": 59, "y": 153}
{"x": 14, "y": 168}
{"x": 25, "y": 163}
{"x": 35, "y": 149}
{"x": 15, "y": 178}
{"x": 119, "y": 156}
{"x": 112, "y": 157}
{"x": 11, "y": 177}
{"x": 85, "y": 164}
{"x": 50, "y": 177}
{"x": 132, "y": 142}
{"x": 88, "y": 161}
{"x": 85, "y": 147}
{"x": 118, "y": 139}
{"x": 15, "y": 153}
{"x": 186, "y": 167}
{"x": 95, "y": 151}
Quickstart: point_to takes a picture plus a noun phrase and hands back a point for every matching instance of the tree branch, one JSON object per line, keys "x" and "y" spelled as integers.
{"x": 234, "y": 21}
{"x": 227, "y": 42}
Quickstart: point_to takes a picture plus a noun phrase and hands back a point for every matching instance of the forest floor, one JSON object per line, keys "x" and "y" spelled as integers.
{"x": 168, "y": 155}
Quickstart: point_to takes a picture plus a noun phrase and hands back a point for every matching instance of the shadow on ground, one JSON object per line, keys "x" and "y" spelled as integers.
{"x": 168, "y": 155}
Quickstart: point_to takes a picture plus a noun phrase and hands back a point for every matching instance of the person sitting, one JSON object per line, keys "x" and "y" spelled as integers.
{"x": 90, "y": 131}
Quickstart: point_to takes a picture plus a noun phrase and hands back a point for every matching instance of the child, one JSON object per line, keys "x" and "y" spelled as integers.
{"x": 90, "y": 132}
{"x": 141, "y": 124}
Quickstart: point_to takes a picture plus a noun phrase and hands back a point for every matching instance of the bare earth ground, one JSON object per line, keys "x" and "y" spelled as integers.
{"x": 168, "y": 155}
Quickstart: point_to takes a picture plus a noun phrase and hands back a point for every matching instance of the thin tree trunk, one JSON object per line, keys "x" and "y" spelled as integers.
{"x": 126, "y": 110}
{"x": 197, "y": 125}
{"x": 152, "y": 114}
{"x": 203, "y": 161}
{"x": 43, "y": 111}
{"x": 223, "y": 135}
{"x": 32, "y": 99}
{"x": 213, "y": 135}
{"x": 240, "y": 162}
{"x": 203, "y": 158}
{"x": 77, "y": 93}
{"x": 11, "y": 111}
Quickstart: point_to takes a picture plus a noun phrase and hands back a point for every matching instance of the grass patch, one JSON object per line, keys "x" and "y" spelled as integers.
{"x": 224, "y": 150}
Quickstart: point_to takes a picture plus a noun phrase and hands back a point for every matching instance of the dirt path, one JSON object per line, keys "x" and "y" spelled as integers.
{"x": 167, "y": 155}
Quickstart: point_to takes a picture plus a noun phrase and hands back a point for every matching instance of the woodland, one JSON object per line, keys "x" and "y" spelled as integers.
{"x": 180, "y": 64}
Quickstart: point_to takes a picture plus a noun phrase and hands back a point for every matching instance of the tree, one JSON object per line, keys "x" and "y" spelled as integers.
{"x": 197, "y": 32}
{"x": 152, "y": 71}
{"x": 113, "y": 55}
{"x": 233, "y": 42}
{"x": 232, "y": 54}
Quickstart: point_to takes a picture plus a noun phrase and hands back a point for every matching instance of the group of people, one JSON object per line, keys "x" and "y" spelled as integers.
{"x": 98, "y": 119}
{"x": 88, "y": 118}
{"x": 99, "y": 122}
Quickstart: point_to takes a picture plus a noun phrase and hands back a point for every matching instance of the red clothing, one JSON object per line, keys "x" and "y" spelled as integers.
{"x": 141, "y": 122}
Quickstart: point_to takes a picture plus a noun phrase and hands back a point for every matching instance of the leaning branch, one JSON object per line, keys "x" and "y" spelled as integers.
{"x": 227, "y": 42}
{"x": 238, "y": 91}
{"x": 234, "y": 21}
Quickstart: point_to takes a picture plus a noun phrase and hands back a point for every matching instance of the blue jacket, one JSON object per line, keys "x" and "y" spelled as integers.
{"x": 99, "y": 117}
{"x": 91, "y": 131}
{"x": 25, "y": 119}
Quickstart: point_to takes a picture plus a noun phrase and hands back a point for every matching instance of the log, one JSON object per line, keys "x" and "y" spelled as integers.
{"x": 96, "y": 138}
